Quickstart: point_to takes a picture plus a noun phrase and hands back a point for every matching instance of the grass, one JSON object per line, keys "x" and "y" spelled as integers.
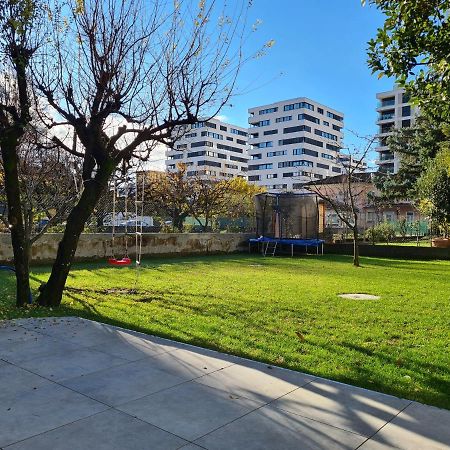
{"x": 282, "y": 311}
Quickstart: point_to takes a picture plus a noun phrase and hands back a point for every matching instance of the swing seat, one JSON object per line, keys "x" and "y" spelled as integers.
{"x": 120, "y": 262}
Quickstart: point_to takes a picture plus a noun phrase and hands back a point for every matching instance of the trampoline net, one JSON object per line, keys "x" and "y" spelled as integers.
{"x": 287, "y": 215}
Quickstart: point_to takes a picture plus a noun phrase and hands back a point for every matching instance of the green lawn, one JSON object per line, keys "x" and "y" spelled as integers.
{"x": 282, "y": 311}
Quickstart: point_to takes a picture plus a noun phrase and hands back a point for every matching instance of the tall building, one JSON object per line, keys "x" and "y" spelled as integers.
{"x": 292, "y": 141}
{"x": 211, "y": 149}
{"x": 394, "y": 111}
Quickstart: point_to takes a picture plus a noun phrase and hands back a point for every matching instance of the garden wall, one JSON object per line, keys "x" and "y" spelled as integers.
{"x": 390, "y": 251}
{"x": 98, "y": 246}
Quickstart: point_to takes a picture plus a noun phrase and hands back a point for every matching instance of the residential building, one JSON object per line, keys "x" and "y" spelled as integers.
{"x": 394, "y": 111}
{"x": 211, "y": 149}
{"x": 370, "y": 213}
{"x": 292, "y": 141}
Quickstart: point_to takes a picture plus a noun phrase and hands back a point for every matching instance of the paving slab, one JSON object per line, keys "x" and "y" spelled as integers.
{"x": 38, "y": 346}
{"x": 109, "y": 430}
{"x": 11, "y": 333}
{"x": 190, "y": 363}
{"x": 132, "y": 347}
{"x": 256, "y": 381}
{"x": 63, "y": 364}
{"x": 270, "y": 428}
{"x": 417, "y": 427}
{"x": 347, "y": 407}
{"x": 15, "y": 382}
{"x": 44, "y": 408}
{"x": 124, "y": 383}
{"x": 190, "y": 410}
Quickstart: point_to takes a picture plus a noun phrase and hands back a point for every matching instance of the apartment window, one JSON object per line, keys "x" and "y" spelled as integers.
{"x": 327, "y": 124}
{"x": 336, "y": 170}
{"x": 222, "y": 128}
{"x": 236, "y": 158}
{"x": 323, "y": 166}
{"x": 296, "y": 129}
{"x": 283, "y": 119}
{"x": 301, "y": 162}
{"x": 239, "y": 132}
{"x": 260, "y": 166}
{"x": 230, "y": 139}
{"x": 371, "y": 217}
{"x": 326, "y": 156}
{"x": 254, "y": 178}
{"x": 190, "y": 135}
{"x": 288, "y": 174}
{"x": 269, "y": 132}
{"x": 406, "y": 123}
{"x": 277, "y": 153}
{"x": 309, "y": 118}
{"x": 230, "y": 148}
{"x": 271, "y": 176}
{"x": 267, "y": 111}
{"x": 257, "y": 156}
{"x": 387, "y": 115}
{"x": 278, "y": 186}
{"x": 231, "y": 166}
{"x": 325, "y": 135}
{"x": 305, "y": 151}
{"x": 406, "y": 111}
{"x": 195, "y": 154}
{"x": 320, "y": 110}
{"x": 211, "y": 134}
{"x": 386, "y": 128}
{"x": 406, "y": 98}
{"x": 264, "y": 144}
{"x": 317, "y": 175}
{"x": 202, "y": 144}
{"x": 261, "y": 123}
{"x": 176, "y": 156}
{"x": 300, "y": 105}
{"x": 240, "y": 141}
{"x": 171, "y": 166}
{"x": 299, "y": 140}
{"x": 336, "y": 128}
{"x": 334, "y": 116}
{"x": 387, "y": 102}
{"x": 410, "y": 216}
{"x": 332, "y": 147}
{"x": 254, "y": 135}
{"x": 181, "y": 146}
{"x": 209, "y": 163}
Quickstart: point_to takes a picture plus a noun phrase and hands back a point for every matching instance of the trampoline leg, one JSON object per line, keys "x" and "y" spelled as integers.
{"x": 317, "y": 249}
{"x": 292, "y": 250}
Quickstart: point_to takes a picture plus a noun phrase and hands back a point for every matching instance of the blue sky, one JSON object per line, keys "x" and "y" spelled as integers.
{"x": 320, "y": 52}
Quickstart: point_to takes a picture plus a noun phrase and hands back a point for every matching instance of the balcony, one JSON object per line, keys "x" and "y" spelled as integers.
{"x": 386, "y": 102}
{"x": 387, "y": 115}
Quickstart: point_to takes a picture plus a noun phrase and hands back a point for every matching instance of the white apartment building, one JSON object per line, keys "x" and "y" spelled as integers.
{"x": 394, "y": 111}
{"x": 292, "y": 141}
{"x": 211, "y": 149}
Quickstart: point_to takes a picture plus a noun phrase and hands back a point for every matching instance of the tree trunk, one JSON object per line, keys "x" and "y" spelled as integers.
{"x": 355, "y": 247}
{"x": 52, "y": 291}
{"x": 15, "y": 219}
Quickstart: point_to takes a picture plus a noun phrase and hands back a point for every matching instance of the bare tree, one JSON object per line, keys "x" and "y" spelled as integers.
{"x": 125, "y": 76}
{"x": 19, "y": 40}
{"x": 346, "y": 193}
{"x": 49, "y": 182}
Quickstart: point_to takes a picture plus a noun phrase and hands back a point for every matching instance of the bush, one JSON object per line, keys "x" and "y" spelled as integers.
{"x": 383, "y": 232}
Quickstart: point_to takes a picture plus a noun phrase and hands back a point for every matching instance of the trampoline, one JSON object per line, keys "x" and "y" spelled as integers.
{"x": 287, "y": 219}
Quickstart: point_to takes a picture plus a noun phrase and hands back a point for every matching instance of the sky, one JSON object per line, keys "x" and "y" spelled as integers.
{"x": 320, "y": 53}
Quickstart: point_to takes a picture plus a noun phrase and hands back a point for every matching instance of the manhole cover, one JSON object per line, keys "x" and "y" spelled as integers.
{"x": 360, "y": 296}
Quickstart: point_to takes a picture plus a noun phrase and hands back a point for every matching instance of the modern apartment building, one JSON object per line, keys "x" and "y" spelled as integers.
{"x": 394, "y": 111}
{"x": 292, "y": 142}
{"x": 211, "y": 149}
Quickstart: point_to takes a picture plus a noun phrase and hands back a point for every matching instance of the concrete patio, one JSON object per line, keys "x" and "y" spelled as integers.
{"x": 69, "y": 383}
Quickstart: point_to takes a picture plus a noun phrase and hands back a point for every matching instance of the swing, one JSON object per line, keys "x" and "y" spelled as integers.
{"x": 126, "y": 260}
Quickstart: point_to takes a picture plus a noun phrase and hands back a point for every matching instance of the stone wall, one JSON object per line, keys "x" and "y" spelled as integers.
{"x": 98, "y": 246}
